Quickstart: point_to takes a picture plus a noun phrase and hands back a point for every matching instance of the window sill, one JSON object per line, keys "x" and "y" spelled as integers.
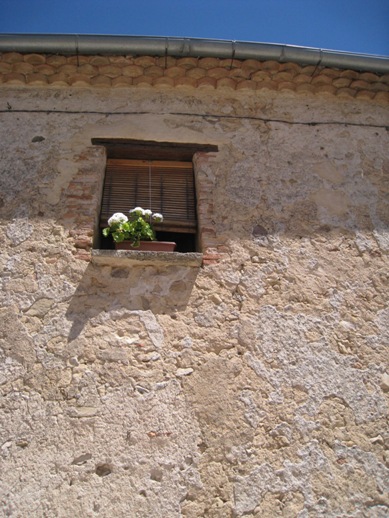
{"x": 120, "y": 258}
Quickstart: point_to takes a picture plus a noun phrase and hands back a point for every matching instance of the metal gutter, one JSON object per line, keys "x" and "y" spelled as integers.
{"x": 194, "y": 47}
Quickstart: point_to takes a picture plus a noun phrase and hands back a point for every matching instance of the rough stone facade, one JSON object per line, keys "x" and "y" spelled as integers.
{"x": 255, "y": 385}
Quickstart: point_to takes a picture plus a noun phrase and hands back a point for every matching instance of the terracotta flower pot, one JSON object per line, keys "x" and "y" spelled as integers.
{"x": 147, "y": 246}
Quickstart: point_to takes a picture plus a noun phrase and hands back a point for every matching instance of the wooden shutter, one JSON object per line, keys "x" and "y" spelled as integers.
{"x": 161, "y": 186}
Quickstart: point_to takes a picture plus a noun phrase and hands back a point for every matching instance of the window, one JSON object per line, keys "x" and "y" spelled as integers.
{"x": 157, "y": 176}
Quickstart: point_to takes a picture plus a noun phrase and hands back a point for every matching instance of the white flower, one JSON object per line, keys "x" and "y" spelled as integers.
{"x": 147, "y": 213}
{"x": 118, "y": 217}
{"x": 157, "y": 217}
{"x": 138, "y": 211}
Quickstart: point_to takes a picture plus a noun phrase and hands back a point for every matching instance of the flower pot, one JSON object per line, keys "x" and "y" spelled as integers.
{"x": 147, "y": 246}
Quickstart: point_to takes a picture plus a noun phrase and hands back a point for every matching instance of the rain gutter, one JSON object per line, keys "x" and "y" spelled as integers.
{"x": 76, "y": 44}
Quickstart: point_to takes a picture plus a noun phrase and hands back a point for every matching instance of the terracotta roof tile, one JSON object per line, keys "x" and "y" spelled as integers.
{"x": 175, "y": 72}
{"x": 35, "y": 59}
{"x": 132, "y": 71}
{"x": 99, "y": 61}
{"x": 196, "y": 73}
{"x": 100, "y": 81}
{"x": 14, "y": 79}
{"x": 23, "y": 68}
{"x": 226, "y": 82}
{"x": 208, "y": 63}
{"x": 79, "y": 80}
{"x": 206, "y": 82}
{"x": 185, "y": 81}
{"x": 342, "y": 82}
{"x": 346, "y": 92}
{"x": 153, "y": 71}
{"x": 163, "y": 81}
{"x": 12, "y": 57}
{"x": 122, "y": 81}
{"x": 187, "y": 62}
{"x": 56, "y": 61}
{"x": 246, "y": 85}
{"x": 36, "y": 79}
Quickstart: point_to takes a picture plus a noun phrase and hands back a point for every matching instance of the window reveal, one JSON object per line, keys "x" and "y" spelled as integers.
{"x": 161, "y": 186}
{"x": 153, "y": 175}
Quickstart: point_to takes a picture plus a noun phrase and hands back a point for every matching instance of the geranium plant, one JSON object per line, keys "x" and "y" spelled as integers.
{"x": 135, "y": 228}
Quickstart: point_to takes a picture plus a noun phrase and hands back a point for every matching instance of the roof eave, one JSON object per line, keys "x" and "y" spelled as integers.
{"x": 74, "y": 44}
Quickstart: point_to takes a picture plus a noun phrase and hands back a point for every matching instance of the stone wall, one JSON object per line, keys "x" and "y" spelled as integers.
{"x": 255, "y": 385}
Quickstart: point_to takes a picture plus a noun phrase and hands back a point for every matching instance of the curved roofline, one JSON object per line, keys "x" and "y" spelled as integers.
{"x": 193, "y": 47}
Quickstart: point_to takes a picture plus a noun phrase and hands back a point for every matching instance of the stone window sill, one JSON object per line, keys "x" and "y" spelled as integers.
{"x": 120, "y": 258}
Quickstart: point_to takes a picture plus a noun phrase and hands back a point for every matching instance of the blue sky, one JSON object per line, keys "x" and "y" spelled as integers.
{"x": 348, "y": 25}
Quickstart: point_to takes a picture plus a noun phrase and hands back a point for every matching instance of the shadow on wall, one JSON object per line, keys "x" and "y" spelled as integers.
{"x": 160, "y": 289}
